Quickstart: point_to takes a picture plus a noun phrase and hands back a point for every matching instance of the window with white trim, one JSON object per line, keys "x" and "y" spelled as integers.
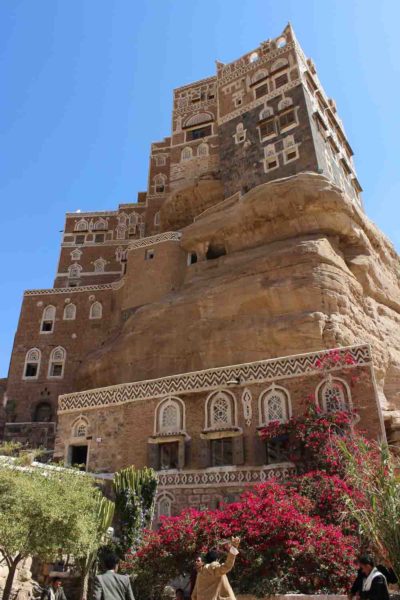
{"x": 80, "y": 428}
{"x": 160, "y": 160}
{"x": 96, "y": 310}
{"x": 69, "y": 312}
{"x": 157, "y": 219}
{"x": 187, "y": 153}
{"x": 48, "y": 319}
{"x": 32, "y": 364}
{"x": 74, "y": 271}
{"x": 99, "y": 265}
{"x": 57, "y": 362}
{"x": 164, "y": 505}
{"x": 202, "y": 149}
{"x": 334, "y": 395}
{"x": 220, "y": 411}
{"x": 274, "y": 405}
{"x": 159, "y": 183}
{"x": 81, "y": 225}
{"x": 169, "y": 416}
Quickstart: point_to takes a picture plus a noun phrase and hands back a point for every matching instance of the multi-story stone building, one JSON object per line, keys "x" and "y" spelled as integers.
{"x": 250, "y": 248}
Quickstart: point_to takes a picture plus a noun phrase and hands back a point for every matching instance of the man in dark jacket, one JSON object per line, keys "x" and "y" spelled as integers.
{"x": 110, "y": 585}
{"x": 374, "y": 584}
{"x": 54, "y": 591}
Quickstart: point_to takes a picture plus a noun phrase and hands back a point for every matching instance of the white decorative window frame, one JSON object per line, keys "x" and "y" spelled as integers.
{"x": 292, "y": 125}
{"x": 160, "y": 160}
{"x": 269, "y": 158}
{"x": 52, "y": 361}
{"x": 159, "y": 412}
{"x": 30, "y": 361}
{"x": 77, "y": 423}
{"x": 164, "y": 496}
{"x": 319, "y": 392}
{"x": 66, "y": 309}
{"x": 289, "y": 150}
{"x": 208, "y": 409}
{"x": 240, "y": 135}
{"x": 53, "y": 320}
{"x": 262, "y": 401}
{"x": 91, "y": 310}
{"x": 186, "y": 154}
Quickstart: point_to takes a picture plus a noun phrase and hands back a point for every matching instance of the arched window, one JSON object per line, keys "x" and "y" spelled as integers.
{"x": 80, "y": 428}
{"x": 69, "y": 312}
{"x": 134, "y": 218}
{"x": 159, "y": 183}
{"x": 164, "y": 505}
{"x": 333, "y": 395}
{"x": 170, "y": 416}
{"x": 96, "y": 310}
{"x": 43, "y": 413}
{"x": 198, "y": 119}
{"x": 202, "y": 150}
{"x": 121, "y": 232}
{"x": 99, "y": 265}
{"x": 280, "y": 64}
{"x": 32, "y": 364}
{"x": 259, "y": 75}
{"x": 285, "y": 103}
{"x": 74, "y": 271}
{"x": 220, "y": 411}
{"x": 240, "y": 134}
{"x": 100, "y": 225}
{"x": 266, "y": 112}
{"x": 48, "y": 318}
{"x": 57, "y": 362}
{"x": 76, "y": 254}
{"x": 157, "y": 218}
{"x": 81, "y": 225}
{"x": 186, "y": 153}
{"x": 122, "y": 218}
{"x": 274, "y": 405}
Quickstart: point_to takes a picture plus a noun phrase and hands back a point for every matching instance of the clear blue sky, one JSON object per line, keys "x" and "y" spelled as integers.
{"x": 86, "y": 86}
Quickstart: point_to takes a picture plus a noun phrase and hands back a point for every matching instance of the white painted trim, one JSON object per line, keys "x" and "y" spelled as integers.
{"x": 261, "y": 400}
{"x": 324, "y": 382}
{"x": 157, "y": 414}
{"x": 208, "y": 406}
{"x": 32, "y": 362}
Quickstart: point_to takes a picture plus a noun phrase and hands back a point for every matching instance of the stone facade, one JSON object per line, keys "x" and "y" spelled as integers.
{"x": 250, "y": 244}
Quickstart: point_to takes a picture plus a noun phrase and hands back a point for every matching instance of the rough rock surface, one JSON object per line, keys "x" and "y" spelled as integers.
{"x": 304, "y": 269}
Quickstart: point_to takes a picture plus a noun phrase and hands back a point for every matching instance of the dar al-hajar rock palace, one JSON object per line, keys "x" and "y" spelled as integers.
{"x": 179, "y": 325}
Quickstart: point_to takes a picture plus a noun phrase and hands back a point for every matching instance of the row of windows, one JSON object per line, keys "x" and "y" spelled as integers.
{"x": 49, "y": 315}
{"x": 188, "y": 152}
{"x": 221, "y": 410}
{"x": 56, "y": 366}
{"x": 84, "y": 225}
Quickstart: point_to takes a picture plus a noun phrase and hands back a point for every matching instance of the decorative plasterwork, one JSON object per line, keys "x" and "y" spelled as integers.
{"x": 224, "y": 477}
{"x": 247, "y": 408}
{"x": 237, "y": 69}
{"x": 72, "y": 290}
{"x": 168, "y": 236}
{"x": 259, "y": 101}
{"x": 210, "y": 379}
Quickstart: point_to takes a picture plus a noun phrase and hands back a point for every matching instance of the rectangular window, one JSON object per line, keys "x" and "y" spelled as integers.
{"x": 56, "y": 370}
{"x": 47, "y": 325}
{"x": 277, "y": 450}
{"x": 281, "y": 80}
{"x": 287, "y": 118}
{"x": 271, "y": 163}
{"x": 31, "y": 370}
{"x": 79, "y": 239}
{"x": 261, "y": 90}
{"x": 197, "y": 134}
{"x": 99, "y": 238}
{"x": 291, "y": 154}
{"x": 267, "y": 128}
{"x": 169, "y": 455}
{"x": 221, "y": 452}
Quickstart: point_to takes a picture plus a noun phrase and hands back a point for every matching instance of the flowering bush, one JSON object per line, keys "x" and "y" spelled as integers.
{"x": 284, "y": 547}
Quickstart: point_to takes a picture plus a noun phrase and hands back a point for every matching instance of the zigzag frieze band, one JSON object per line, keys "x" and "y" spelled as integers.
{"x": 71, "y": 290}
{"x": 168, "y": 236}
{"x": 209, "y": 379}
{"x": 220, "y": 478}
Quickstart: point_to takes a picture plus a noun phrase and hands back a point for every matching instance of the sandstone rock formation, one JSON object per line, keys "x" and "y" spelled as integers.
{"x": 297, "y": 267}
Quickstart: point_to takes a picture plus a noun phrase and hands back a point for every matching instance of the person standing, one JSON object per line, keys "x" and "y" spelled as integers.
{"x": 374, "y": 584}
{"x": 111, "y": 585}
{"x": 211, "y": 581}
{"x": 54, "y": 591}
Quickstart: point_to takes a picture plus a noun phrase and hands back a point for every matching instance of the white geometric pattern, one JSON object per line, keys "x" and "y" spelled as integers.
{"x": 168, "y": 236}
{"x": 223, "y": 478}
{"x": 210, "y": 379}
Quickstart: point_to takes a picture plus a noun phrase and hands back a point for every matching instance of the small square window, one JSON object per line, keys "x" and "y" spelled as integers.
{"x": 221, "y": 452}
{"x": 238, "y": 101}
{"x": 169, "y": 455}
{"x": 291, "y": 154}
{"x": 79, "y": 239}
{"x": 149, "y": 255}
{"x": 56, "y": 370}
{"x": 99, "y": 238}
{"x": 271, "y": 163}
{"x": 47, "y": 325}
{"x": 31, "y": 370}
